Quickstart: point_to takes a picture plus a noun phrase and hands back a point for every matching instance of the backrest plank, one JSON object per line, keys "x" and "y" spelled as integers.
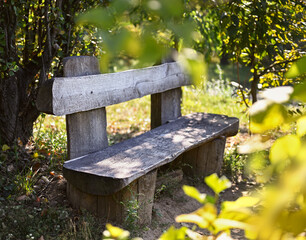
{"x": 77, "y": 94}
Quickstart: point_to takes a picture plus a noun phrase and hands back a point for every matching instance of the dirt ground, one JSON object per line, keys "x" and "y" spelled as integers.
{"x": 174, "y": 202}
{"x": 170, "y": 202}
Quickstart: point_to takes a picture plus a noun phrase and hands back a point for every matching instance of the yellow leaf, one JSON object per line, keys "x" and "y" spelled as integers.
{"x": 193, "y": 218}
{"x": 35, "y": 155}
{"x": 196, "y": 236}
{"x": 5, "y": 148}
{"x": 217, "y": 184}
{"x": 194, "y": 193}
{"x": 203, "y": 217}
{"x": 301, "y": 126}
{"x": 246, "y": 201}
{"x": 115, "y": 232}
{"x": 223, "y": 224}
{"x": 285, "y": 148}
{"x": 266, "y": 115}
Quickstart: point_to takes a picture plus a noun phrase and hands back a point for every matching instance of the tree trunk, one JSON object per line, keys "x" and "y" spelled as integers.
{"x": 17, "y": 108}
{"x": 254, "y": 86}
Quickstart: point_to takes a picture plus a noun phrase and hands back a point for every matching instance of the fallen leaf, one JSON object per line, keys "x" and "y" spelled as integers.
{"x": 5, "y": 148}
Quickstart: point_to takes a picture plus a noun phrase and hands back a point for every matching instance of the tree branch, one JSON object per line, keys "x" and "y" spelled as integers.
{"x": 275, "y": 64}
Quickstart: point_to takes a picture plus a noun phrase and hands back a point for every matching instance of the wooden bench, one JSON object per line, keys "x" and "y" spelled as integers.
{"x": 102, "y": 178}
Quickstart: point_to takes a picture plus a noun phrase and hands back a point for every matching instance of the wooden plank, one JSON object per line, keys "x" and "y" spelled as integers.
{"x": 205, "y": 159}
{"x": 215, "y": 156}
{"x": 82, "y": 200}
{"x": 109, "y": 170}
{"x": 146, "y": 190}
{"x": 86, "y": 131}
{"x": 76, "y": 94}
{"x": 165, "y": 106}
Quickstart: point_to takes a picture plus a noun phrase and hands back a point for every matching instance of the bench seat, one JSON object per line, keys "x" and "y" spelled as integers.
{"x": 108, "y": 171}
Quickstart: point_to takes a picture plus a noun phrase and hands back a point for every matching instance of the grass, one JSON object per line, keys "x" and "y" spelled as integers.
{"x": 28, "y": 172}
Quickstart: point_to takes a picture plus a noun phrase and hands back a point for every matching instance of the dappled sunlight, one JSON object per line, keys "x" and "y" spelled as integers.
{"x": 130, "y": 159}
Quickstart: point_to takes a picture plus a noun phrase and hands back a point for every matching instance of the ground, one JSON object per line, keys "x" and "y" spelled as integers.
{"x": 170, "y": 201}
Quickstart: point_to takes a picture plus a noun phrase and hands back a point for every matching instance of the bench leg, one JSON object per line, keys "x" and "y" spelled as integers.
{"x": 115, "y": 207}
{"x": 204, "y": 160}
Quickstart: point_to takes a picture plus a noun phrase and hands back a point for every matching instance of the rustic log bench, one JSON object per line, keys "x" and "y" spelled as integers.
{"x": 102, "y": 179}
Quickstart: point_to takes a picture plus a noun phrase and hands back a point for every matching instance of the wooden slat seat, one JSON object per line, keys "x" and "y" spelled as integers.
{"x": 110, "y": 170}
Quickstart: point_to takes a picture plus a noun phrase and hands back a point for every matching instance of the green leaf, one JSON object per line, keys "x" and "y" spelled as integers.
{"x": 193, "y": 63}
{"x": 217, "y": 184}
{"x": 166, "y": 9}
{"x": 299, "y": 92}
{"x": 297, "y": 69}
{"x": 194, "y": 193}
{"x": 99, "y": 17}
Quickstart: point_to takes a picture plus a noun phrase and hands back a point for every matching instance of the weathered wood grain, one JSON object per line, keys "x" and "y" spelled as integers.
{"x": 113, "y": 168}
{"x": 76, "y": 94}
{"x": 205, "y": 159}
{"x": 86, "y": 132}
{"x": 146, "y": 190}
{"x": 115, "y": 207}
{"x": 165, "y": 106}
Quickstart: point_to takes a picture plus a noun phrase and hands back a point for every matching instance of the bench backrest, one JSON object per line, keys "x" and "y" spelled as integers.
{"x": 82, "y": 95}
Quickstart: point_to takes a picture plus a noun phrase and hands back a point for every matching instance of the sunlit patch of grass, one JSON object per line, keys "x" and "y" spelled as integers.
{"x": 128, "y": 119}
{"x": 50, "y": 139}
{"x": 201, "y": 100}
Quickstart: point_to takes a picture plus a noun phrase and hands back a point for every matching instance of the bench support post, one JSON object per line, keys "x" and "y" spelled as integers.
{"x": 86, "y": 131}
{"x": 205, "y": 159}
{"x": 115, "y": 207}
{"x": 165, "y": 106}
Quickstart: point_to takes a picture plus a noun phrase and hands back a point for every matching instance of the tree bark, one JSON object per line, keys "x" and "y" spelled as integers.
{"x": 17, "y": 107}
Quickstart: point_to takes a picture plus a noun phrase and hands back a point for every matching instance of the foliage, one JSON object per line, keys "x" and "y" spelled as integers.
{"x": 35, "y": 37}
{"x": 131, "y": 218}
{"x": 35, "y": 31}
{"x": 266, "y": 35}
{"x": 126, "y": 28}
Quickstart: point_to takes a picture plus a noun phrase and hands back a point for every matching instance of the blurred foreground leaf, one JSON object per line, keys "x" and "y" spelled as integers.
{"x": 217, "y": 184}
{"x": 298, "y": 68}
